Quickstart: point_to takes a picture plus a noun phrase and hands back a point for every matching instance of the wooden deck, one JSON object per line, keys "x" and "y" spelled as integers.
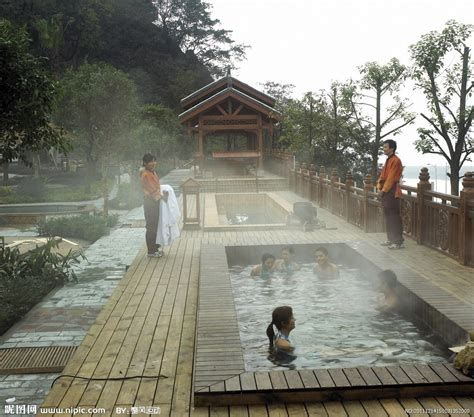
{"x": 148, "y": 328}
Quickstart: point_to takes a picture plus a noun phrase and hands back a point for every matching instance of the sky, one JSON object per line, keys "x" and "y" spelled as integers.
{"x": 310, "y": 43}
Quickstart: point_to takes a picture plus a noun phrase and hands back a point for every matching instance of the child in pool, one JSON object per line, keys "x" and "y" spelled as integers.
{"x": 284, "y": 321}
{"x": 265, "y": 269}
{"x": 323, "y": 267}
{"x": 286, "y": 264}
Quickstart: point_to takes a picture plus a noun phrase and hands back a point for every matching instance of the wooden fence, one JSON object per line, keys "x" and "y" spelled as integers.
{"x": 440, "y": 221}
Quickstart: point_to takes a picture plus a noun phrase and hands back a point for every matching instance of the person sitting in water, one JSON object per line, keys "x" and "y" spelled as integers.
{"x": 285, "y": 264}
{"x": 266, "y": 268}
{"x": 389, "y": 300}
{"x": 284, "y": 321}
{"x": 323, "y": 267}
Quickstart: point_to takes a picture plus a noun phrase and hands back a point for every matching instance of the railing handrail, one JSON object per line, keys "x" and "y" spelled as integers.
{"x": 442, "y": 196}
{"x": 422, "y": 208}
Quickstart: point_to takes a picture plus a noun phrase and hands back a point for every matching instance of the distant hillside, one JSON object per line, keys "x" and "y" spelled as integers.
{"x": 117, "y": 32}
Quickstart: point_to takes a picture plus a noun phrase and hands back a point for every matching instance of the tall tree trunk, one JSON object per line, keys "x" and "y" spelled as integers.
{"x": 375, "y": 152}
{"x": 454, "y": 177}
{"x": 36, "y": 165}
{"x": 105, "y": 188}
{"x": 374, "y": 168}
{"x": 5, "y": 166}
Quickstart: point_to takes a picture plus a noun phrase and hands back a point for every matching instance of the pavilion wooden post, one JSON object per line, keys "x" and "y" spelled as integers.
{"x": 422, "y": 186}
{"x": 466, "y": 220}
{"x": 349, "y": 185}
{"x": 191, "y": 187}
{"x": 201, "y": 146}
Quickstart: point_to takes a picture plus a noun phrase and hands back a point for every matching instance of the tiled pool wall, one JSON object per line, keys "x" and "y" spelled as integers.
{"x": 219, "y": 372}
{"x": 261, "y": 204}
{"x": 265, "y": 205}
{"x": 417, "y": 309}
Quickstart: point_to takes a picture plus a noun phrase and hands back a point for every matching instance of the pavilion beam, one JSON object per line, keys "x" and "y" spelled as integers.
{"x": 238, "y": 110}
{"x": 207, "y": 128}
{"x": 231, "y": 117}
{"x": 222, "y": 110}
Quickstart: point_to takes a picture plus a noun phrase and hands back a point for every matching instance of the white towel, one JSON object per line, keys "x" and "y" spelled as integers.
{"x": 168, "y": 229}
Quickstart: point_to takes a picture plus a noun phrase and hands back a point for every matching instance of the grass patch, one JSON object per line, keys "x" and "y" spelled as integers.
{"x": 39, "y": 190}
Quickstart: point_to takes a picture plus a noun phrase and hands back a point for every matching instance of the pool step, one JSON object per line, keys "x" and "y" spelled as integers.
{"x": 338, "y": 384}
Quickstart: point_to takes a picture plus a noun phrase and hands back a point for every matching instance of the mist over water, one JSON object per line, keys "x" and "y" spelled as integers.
{"x": 337, "y": 324}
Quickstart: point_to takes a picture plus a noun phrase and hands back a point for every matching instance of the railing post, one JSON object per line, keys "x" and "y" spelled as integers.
{"x": 333, "y": 187}
{"x": 368, "y": 187}
{"x": 465, "y": 221}
{"x": 422, "y": 186}
{"x": 312, "y": 171}
{"x": 349, "y": 185}
{"x": 322, "y": 176}
{"x": 297, "y": 176}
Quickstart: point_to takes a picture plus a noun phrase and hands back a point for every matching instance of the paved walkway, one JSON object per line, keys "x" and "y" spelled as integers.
{"x": 64, "y": 316}
{"x": 147, "y": 328}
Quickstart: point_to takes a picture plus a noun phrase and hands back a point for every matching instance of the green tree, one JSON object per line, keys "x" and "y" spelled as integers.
{"x": 304, "y": 124}
{"x": 98, "y": 108}
{"x": 170, "y": 140}
{"x": 443, "y": 72}
{"x": 282, "y": 95}
{"x": 376, "y": 106}
{"x": 341, "y": 144}
{"x": 27, "y": 100}
{"x": 188, "y": 24}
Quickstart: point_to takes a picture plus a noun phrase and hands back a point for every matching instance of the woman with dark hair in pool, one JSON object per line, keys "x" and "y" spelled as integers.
{"x": 280, "y": 347}
{"x": 284, "y": 321}
{"x": 266, "y": 268}
{"x": 286, "y": 264}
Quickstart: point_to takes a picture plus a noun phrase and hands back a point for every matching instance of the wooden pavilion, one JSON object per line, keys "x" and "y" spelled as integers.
{"x": 229, "y": 106}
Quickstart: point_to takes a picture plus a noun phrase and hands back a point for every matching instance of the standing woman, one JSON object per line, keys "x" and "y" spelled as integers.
{"x": 151, "y": 203}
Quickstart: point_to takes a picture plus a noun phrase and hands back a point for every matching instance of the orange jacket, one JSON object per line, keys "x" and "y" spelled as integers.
{"x": 150, "y": 183}
{"x": 390, "y": 176}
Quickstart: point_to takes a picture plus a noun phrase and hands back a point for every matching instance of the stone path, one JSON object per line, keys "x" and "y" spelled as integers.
{"x": 64, "y": 316}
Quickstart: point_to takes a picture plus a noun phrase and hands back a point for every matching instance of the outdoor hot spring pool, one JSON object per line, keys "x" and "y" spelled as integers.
{"x": 337, "y": 324}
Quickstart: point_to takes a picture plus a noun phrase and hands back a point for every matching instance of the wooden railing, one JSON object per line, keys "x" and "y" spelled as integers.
{"x": 440, "y": 221}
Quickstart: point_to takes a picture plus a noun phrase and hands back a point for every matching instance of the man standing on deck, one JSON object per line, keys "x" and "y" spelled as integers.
{"x": 391, "y": 193}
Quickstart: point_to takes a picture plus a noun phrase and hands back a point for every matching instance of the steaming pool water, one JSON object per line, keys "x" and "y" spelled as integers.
{"x": 337, "y": 324}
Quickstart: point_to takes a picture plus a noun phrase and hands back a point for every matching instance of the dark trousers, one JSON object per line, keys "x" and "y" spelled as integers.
{"x": 393, "y": 219}
{"x": 152, "y": 215}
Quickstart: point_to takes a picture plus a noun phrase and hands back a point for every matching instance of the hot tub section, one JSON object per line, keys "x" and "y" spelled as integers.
{"x": 220, "y": 375}
{"x": 240, "y": 211}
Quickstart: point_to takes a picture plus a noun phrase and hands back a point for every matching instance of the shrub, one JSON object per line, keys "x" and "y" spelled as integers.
{"x": 5, "y": 191}
{"x": 128, "y": 197}
{"x": 32, "y": 187}
{"x": 87, "y": 227}
{"x": 26, "y": 278}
